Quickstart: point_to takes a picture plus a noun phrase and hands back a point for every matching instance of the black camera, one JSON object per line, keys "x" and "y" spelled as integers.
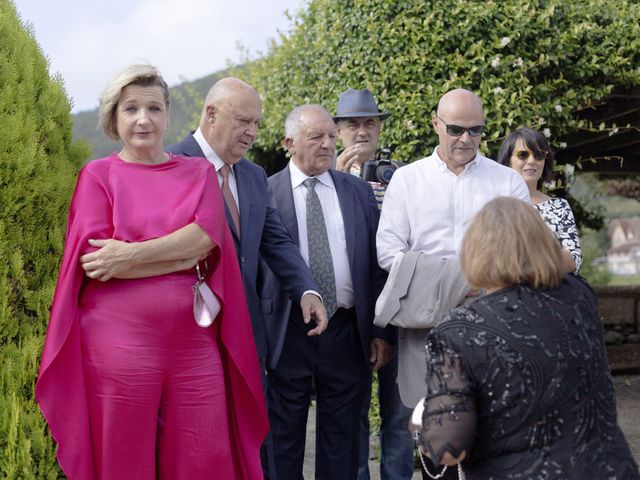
{"x": 379, "y": 170}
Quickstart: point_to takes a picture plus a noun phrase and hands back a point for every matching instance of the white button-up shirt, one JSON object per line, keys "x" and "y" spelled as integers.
{"x": 332, "y": 213}
{"x": 427, "y": 208}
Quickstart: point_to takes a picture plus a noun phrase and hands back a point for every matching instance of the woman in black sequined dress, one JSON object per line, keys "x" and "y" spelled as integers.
{"x": 517, "y": 382}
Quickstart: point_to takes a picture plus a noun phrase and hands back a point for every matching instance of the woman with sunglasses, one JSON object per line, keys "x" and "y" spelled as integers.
{"x": 527, "y": 151}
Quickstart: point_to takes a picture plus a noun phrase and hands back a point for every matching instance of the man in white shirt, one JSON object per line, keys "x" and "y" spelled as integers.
{"x": 429, "y": 203}
{"x": 332, "y": 217}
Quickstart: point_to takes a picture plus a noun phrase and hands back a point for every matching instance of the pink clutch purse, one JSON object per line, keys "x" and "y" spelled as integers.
{"x": 205, "y": 303}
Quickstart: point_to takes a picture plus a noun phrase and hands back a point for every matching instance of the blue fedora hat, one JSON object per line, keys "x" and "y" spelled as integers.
{"x": 358, "y": 103}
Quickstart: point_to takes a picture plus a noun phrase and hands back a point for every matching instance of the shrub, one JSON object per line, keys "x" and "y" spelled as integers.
{"x": 38, "y": 163}
{"x": 533, "y": 62}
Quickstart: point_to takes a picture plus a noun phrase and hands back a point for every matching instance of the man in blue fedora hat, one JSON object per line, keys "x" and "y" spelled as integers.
{"x": 359, "y": 122}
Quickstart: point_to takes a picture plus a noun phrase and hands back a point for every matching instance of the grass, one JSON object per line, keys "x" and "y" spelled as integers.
{"x": 623, "y": 280}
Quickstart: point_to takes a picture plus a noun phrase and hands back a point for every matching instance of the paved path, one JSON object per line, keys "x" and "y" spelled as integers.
{"x": 628, "y": 398}
{"x": 309, "y": 454}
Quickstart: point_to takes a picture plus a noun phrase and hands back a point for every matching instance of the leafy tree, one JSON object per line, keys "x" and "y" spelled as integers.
{"x": 533, "y": 62}
{"x": 38, "y": 163}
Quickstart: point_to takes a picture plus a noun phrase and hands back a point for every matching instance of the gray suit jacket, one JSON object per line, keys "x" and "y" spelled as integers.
{"x": 420, "y": 290}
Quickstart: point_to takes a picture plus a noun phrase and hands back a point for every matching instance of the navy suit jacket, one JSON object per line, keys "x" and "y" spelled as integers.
{"x": 261, "y": 233}
{"x": 360, "y": 214}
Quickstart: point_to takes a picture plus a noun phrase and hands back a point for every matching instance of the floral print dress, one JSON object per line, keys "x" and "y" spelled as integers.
{"x": 557, "y": 214}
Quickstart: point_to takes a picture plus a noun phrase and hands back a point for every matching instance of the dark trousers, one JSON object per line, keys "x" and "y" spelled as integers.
{"x": 396, "y": 444}
{"x": 266, "y": 451}
{"x": 335, "y": 364}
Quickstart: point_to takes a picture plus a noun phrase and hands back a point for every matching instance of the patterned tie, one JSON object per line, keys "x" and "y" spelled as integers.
{"x": 320, "y": 261}
{"x": 228, "y": 196}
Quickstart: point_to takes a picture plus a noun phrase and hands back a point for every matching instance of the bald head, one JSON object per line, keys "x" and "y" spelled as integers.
{"x": 230, "y": 117}
{"x": 228, "y": 91}
{"x": 459, "y": 101}
{"x": 458, "y": 108}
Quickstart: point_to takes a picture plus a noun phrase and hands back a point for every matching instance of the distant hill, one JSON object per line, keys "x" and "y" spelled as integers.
{"x": 186, "y": 103}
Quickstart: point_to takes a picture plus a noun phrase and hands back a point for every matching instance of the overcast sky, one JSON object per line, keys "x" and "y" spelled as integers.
{"x": 87, "y": 41}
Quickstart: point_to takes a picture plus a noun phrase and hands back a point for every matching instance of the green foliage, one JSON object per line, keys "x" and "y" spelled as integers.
{"x": 624, "y": 280}
{"x": 533, "y": 62}
{"x": 594, "y": 247}
{"x": 38, "y": 163}
{"x": 27, "y": 450}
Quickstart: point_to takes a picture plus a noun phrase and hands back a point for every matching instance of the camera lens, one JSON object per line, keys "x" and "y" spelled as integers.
{"x": 384, "y": 173}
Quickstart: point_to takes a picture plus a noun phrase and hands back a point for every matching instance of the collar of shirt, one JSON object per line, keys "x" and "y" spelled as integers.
{"x": 298, "y": 176}
{"x": 217, "y": 163}
{"x": 209, "y": 152}
{"x": 442, "y": 166}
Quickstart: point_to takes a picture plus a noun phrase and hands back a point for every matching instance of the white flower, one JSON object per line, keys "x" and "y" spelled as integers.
{"x": 613, "y": 131}
{"x": 562, "y": 144}
{"x": 558, "y": 108}
{"x": 518, "y": 62}
{"x": 504, "y": 41}
{"x": 569, "y": 169}
{"x": 496, "y": 61}
{"x": 546, "y": 132}
{"x": 498, "y": 90}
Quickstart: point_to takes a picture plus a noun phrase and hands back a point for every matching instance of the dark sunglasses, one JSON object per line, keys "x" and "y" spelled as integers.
{"x": 458, "y": 131}
{"x": 525, "y": 154}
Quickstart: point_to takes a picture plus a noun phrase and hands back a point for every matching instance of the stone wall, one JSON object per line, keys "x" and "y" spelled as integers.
{"x": 620, "y": 310}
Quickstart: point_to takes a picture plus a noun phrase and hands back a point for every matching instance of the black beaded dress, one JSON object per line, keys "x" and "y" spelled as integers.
{"x": 519, "y": 379}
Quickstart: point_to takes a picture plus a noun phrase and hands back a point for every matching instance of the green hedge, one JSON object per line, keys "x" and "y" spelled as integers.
{"x": 38, "y": 163}
{"x": 532, "y": 62}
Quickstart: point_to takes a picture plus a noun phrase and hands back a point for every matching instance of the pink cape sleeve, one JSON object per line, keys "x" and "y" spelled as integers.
{"x": 60, "y": 390}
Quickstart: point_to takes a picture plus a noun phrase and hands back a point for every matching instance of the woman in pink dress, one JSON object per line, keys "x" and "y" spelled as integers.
{"x": 130, "y": 385}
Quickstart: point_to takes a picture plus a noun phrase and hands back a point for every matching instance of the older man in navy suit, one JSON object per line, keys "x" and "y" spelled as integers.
{"x": 228, "y": 125}
{"x": 333, "y": 218}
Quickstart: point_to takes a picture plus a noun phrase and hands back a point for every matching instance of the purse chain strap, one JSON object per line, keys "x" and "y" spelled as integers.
{"x": 442, "y": 472}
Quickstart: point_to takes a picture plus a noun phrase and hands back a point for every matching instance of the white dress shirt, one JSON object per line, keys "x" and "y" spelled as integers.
{"x": 427, "y": 208}
{"x": 328, "y": 196}
{"x": 217, "y": 162}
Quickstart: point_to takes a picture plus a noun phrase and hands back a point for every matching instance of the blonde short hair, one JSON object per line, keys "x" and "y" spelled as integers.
{"x": 144, "y": 75}
{"x": 508, "y": 244}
